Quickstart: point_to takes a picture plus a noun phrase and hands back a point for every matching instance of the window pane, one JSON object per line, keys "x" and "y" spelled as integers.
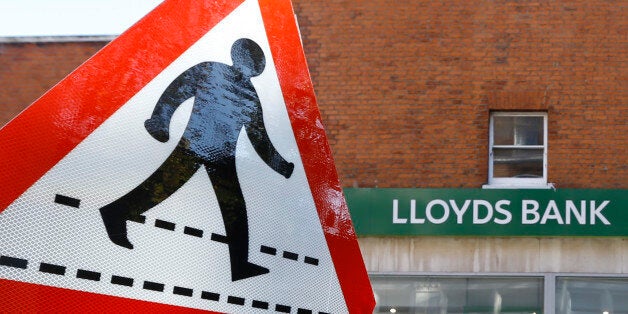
{"x": 591, "y": 295}
{"x": 503, "y": 130}
{"x": 398, "y": 294}
{"x": 528, "y": 130}
{"x": 517, "y": 130}
{"x": 517, "y": 163}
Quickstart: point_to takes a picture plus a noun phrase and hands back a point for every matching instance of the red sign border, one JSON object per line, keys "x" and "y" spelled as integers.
{"x": 63, "y": 117}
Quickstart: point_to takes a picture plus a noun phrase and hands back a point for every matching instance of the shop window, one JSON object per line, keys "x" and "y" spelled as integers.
{"x": 579, "y": 295}
{"x": 477, "y": 294}
{"x": 439, "y": 295}
{"x": 518, "y": 150}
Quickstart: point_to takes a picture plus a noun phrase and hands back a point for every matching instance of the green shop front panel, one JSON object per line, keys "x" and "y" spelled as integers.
{"x": 487, "y": 212}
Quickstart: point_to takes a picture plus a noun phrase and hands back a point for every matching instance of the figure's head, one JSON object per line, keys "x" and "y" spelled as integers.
{"x": 248, "y": 57}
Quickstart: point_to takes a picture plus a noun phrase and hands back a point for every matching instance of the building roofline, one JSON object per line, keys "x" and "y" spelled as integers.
{"x": 56, "y": 39}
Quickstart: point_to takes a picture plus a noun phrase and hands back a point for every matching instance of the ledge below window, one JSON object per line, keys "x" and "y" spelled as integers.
{"x": 546, "y": 186}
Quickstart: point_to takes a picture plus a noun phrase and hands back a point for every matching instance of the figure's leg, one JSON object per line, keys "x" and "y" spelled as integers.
{"x": 233, "y": 209}
{"x": 167, "y": 179}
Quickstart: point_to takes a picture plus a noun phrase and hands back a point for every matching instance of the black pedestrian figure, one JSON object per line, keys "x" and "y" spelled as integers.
{"x": 225, "y": 101}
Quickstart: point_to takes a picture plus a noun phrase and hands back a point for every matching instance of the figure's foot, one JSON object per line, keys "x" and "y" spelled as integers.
{"x": 115, "y": 224}
{"x": 247, "y": 270}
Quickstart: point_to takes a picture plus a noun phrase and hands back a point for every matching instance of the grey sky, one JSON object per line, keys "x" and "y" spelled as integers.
{"x": 70, "y": 17}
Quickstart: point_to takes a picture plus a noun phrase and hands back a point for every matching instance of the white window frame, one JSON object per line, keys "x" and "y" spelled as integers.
{"x": 517, "y": 183}
{"x": 549, "y": 281}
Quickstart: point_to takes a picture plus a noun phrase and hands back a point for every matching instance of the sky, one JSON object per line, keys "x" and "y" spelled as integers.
{"x": 70, "y": 17}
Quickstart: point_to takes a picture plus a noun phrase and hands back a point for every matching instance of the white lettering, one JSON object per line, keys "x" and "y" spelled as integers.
{"x": 413, "y": 218}
{"x": 597, "y": 212}
{"x": 551, "y": 212}
{"x": 459, "y": 211}
{"x": 581, "y": 216}
{"x": 526, "y": 211}
{"x": 499, "y": 212}
{"x": 503, "y": 211}
{"x": 428, "y": 211}
{"x": 396, "y": 219}
{"x": 476, "y": 212}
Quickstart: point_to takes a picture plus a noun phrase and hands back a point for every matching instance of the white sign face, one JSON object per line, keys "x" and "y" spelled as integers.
{"x": 54, "y": 233}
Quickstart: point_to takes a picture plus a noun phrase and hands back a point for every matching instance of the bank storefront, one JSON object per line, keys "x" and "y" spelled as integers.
{"x": 494, "y": 251}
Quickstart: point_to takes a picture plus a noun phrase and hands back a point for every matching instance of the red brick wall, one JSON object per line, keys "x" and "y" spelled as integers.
{"x": 405, "y": 87}
{"x": 28, "y": 70}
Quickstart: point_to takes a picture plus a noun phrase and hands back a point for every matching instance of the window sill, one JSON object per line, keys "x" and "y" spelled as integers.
{"x": 546, "y": 186}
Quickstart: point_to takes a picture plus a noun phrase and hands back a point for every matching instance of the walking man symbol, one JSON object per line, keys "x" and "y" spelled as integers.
{"x": 225, "y": 102}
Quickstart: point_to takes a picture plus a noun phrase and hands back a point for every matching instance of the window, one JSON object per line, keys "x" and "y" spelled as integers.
{"x": 494, "y": 294}
{"x": 518, "y": 149}
{"x": 576, "y": 295}
{"x": 442, "y": 295}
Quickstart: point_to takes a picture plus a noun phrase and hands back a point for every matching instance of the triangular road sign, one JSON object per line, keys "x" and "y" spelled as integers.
{"x": 182, "y": 167}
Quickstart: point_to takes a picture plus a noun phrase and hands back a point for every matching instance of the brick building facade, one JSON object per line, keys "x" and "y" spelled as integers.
{"x": 406, "y": 90}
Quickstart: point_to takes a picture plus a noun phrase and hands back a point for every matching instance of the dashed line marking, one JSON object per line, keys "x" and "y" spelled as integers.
{"x": 153, "y": 286}
{"x": 122, "y": 281}
{"x": 183, "y": 291}
{"x": 210, "y": 296}
{"x": 193, "y": 232}
{"x": 291, "y": 255}
{"x": 260, "y": 305}
{"x": 282, "y": 308}
{"x": 67, "y": 201}
{"x": 223, "y": 239}
{"x": 13, "y": 262}
{"x": 199, "y": 233}
{"x": 268, "y": 250}
{"x": 219, "y": 238}
{"x": 311, "y": 260}
{"x": 165, "y": 224}
{"x": 52, "y": 269}
{"x": 235, "y": 300}
{"x": 88, "y": 275}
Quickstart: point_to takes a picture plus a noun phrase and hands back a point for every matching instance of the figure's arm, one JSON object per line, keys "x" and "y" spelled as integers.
{"x": 265, "y": 148}
{"x": 181, "y": 89}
